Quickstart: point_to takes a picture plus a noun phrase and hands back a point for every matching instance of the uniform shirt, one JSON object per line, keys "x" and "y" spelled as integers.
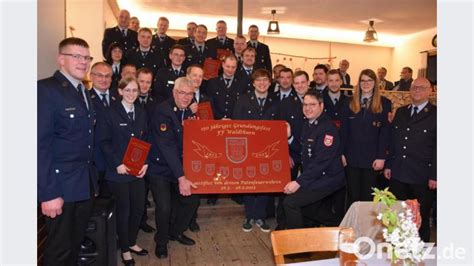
{"x": 413, "y": 155}
{"x": 163, "y": 48}
{"x": 321, "y": 157}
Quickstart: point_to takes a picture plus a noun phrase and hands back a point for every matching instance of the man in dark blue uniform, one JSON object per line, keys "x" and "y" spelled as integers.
{"x": 145, "y": 55}
{"x": 239, "y": 45}
{"x": 66, "y": 174}
{"x": 257, "y": 105}
{"x": 148, "y": 103}
{"x": 199, "y": 51}
{"x": 164, "y": 79}
{"x": 334, "y": 99}
{"x": 167, "y": 180}
{"x": 262, "y": 58}
{"x": 291, "y": 110}
{"x": 246, "y": 70}
{"x": 162, "y": 43}
{"x": 221, "y": 41}
{"x": 121, "y": 34}
{"x": 323, "y": 173}
{"x": 102, "y": 97}
{"x": 226, "y": 89}
{"x": 411, "y": 165}
{"x": 190, "y": 30}
{"x": 319, "y": 82}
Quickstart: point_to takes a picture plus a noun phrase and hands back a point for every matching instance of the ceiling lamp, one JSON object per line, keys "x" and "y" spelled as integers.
{"x": 273, "y": 27}
{"x": 371, "y": 34}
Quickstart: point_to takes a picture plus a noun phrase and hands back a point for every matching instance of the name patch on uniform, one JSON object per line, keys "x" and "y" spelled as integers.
{"x": 328, "y": 140}
{"x": 123, "y": 124}
{"x": 170, "y": 82}
{"x": 70, "y": 109}
{"x": 163, "y": 127}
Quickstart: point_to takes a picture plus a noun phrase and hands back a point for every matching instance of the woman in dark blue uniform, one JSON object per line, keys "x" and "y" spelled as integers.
{"x": 122, "y": 121}
{"x": 115, "y": 58}
{"x": 365, "y": 137}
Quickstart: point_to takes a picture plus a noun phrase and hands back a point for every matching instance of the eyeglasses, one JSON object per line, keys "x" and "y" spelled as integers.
{"x": 108, "y": 76}
{"x": 366, "y": 80}
{"x": 182, "y": 93}
{"x": 80, "y": 57}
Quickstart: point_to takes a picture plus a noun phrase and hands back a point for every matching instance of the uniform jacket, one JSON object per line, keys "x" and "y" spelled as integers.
{"x": 291, "y": 110}
{"x": 223, "y": 99}
{"x": 149, "y": 106}
{"x": 152, "y": 60}
{"x": 164, "y": 82}
{"x": 186, "y": 41}
{"x": 320, "y": 155}
{"x": 166, "y": 154}
{"x": 335, "y": 111}
{"x": 115, "y": 131}
{"x": 346, "y": 84}
{"x": 246, "y": 78}
{"x": 194, "y": 57}
{"x": 65, "y": 141}
{"x": 262, "y": 59}
{"x": 215, "y": 44}
{"x": 100, "y": 110}
{"x": 163, "y": 48}
{"x": 412, "y": 156}
{"x": 114, "y": 34}
{"x": 247, "y": 108}
{"x": 365, "y": 135}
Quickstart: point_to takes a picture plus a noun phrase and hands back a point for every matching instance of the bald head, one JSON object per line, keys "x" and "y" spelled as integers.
{"x": 124, "y": 18}
{"x": 420, "y": 90}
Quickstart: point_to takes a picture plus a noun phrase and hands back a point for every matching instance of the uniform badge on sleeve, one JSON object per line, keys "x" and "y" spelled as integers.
{"x": 328, "y": 140}
{"x": 163, "y": 127}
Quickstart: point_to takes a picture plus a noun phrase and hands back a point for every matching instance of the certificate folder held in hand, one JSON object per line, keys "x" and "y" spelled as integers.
{"x": 204, "y": 111}
{"x": 135, "y": 155}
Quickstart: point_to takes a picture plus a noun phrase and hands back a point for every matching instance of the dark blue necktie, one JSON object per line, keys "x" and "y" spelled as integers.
{"x": 130, "y": 116}
{"x": 104, "y": 99}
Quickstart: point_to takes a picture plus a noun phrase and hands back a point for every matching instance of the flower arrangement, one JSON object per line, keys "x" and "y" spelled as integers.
{"x": 401, "y": 228}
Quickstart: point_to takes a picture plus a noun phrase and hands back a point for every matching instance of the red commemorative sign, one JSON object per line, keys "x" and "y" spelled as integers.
{"x": 236, "y": 156}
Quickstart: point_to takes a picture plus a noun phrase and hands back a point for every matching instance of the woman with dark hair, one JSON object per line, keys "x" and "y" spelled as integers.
{"x": 115, "y": 58}
{"x": 122, "y": 121}
{"x": 365, "y": 137}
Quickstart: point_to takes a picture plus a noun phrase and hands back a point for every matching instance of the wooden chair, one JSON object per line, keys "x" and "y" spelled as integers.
{"x": 294, "y": 241}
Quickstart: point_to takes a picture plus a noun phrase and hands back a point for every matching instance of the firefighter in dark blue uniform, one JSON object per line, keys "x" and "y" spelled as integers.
{"x": 148, "y": 103}
{"x": 102, "y": 97}
{"x": 291, "y": 110}
{"x": 66, "y": 174}
{"x": 164, "y": 79}
{"x": 199, "y": 51}
{"x": 167, "y": 181}
{"x": 121, "y": 34}
{"x": 145, "y": 55}
{"x": 221, "y": 41}
{"x": 322, "y": 170}
{"x": 246, "y": 70}
{"x": 257, "y": 105}
{"x": 262, "y": 58}
{"x": 226, "y": 89}
{"x": 191, "y": 30}
{"x": 411, "y": 166}
{"x": 122, "y": 121}
{"x": 161, "y": 42}
{"x": 365, "y": 135}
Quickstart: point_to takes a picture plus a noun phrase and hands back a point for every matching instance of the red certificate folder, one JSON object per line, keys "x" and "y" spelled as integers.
{"x": 204, "y": 111}
{"x": 211, "y": 68}
{"x": 135, "y": 155}
{"x": 222, "y": 53}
